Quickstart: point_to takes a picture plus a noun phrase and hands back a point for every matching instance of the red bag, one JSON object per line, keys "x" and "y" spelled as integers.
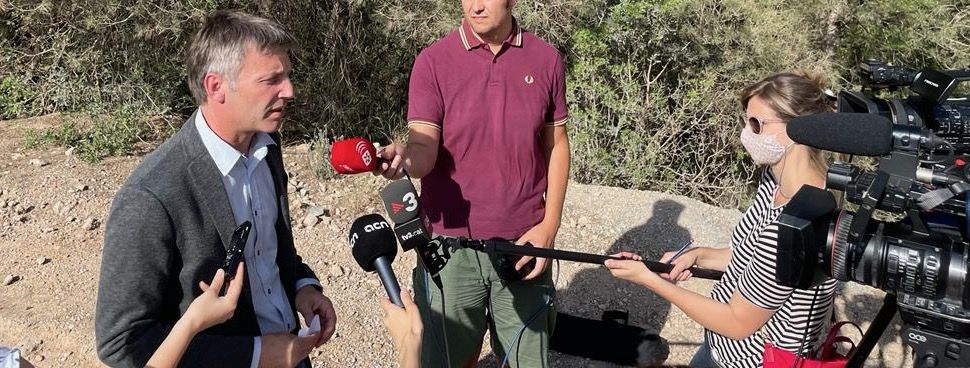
{"x": 826, "y": 357}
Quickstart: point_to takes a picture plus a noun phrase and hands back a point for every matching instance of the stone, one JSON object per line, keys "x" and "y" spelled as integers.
{"x": 43, "y": 260}
{"x": 33, "y": 346}
{"x": 310, "y": 221}
{"x": 65, "y": 209}
{"x": 81, "y": 188}
{"x": 317, "y": 211}
{"x": 336, "y": 270}
{"x": 25, "y": 209}
{"x": 38, "y": 163}
{"x": 90, "y": 223}
{"x": 10, "y": 279}
{"x": 69, "y": 152}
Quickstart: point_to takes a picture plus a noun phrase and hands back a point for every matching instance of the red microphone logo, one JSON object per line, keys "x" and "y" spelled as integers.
{"x": 396, "y": 207}
{"x": 365, "y": 156}
{"x": 352, "y": 156}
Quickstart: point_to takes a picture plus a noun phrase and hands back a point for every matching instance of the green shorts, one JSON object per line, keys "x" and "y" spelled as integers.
{"x": 475, "y": 299}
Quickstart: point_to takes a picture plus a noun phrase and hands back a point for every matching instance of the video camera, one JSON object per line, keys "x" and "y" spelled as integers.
{"x": 922, "y": 145}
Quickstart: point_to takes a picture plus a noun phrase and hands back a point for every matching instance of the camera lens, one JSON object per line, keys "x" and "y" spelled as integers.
{"x": 840, "y": 246}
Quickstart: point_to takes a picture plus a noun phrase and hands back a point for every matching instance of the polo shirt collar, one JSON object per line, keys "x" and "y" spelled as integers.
{"x": 471, "y": 40}
{"x": 224, "y": 154}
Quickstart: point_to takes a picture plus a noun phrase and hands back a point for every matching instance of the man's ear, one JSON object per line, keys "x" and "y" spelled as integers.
{"x": 215, "y": 87}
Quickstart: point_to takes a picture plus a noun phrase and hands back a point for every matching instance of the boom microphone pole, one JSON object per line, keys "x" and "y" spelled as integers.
{"x": 508, "y": 247}
{"x": 400, "y": 200}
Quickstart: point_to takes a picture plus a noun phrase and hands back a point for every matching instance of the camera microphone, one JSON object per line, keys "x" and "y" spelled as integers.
{"x": 852, "y": 133}
{"x": 372, "y": 244}
{"x": 354, "y": 156}
{"x": 859, "y": 134}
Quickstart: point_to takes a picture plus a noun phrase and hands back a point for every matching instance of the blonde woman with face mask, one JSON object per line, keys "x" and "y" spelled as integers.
{"x": 747, "y": 308}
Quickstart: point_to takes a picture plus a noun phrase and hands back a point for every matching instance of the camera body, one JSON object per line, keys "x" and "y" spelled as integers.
{"x": 922, "y": 258}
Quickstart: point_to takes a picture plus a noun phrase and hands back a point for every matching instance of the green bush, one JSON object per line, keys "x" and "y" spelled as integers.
{"x": 15, "y": 98}
{"x": 109, "y": 135}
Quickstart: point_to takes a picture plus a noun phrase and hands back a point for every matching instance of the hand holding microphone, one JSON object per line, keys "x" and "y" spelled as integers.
{"x": 405, "y": 327}
{"x": 393, "y": 161}
{"x": 358, "y": 155}
{"x": 353, "y": 156}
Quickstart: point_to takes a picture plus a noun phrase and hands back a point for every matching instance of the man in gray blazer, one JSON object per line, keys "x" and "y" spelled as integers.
{"x": 170, "y": 224}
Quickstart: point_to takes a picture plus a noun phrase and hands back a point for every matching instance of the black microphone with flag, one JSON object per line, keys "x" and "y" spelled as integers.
{"x": 401, "y": 202}
{"x": 372, "y": 244}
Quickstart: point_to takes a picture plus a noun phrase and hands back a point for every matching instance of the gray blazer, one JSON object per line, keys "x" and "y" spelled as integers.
{"x": 169, "y": 228}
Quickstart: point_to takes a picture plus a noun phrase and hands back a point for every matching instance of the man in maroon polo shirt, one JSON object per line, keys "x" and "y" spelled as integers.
{"x": 487, "y": 137}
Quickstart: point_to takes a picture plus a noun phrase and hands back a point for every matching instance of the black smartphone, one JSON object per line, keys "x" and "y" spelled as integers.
{"x": 236, "y": 246}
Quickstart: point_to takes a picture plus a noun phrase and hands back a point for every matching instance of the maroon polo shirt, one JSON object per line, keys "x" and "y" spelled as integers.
{"x": 490, "y": 174}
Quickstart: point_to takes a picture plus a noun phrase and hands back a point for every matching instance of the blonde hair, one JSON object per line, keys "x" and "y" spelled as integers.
{"x": 220, "y": 45}
{"x": 790, "y": 95}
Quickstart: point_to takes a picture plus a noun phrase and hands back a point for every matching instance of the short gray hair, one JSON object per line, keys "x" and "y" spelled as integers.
{"x": 220, "y": 45}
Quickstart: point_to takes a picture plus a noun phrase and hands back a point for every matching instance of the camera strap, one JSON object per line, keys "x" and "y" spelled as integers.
{"x": 933, "y": 198}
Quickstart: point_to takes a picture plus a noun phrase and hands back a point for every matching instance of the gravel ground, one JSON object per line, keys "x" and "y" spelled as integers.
{"x": 52, "y": 209}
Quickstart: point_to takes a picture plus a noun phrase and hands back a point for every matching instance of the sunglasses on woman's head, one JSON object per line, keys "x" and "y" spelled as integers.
{"x": 756, "y": 124}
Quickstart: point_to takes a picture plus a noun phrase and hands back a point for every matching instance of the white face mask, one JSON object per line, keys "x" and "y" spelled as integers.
{"x": 764, "y": 149}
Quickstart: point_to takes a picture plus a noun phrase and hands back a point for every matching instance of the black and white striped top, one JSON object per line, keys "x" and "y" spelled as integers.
{"x": 751, "y": 273}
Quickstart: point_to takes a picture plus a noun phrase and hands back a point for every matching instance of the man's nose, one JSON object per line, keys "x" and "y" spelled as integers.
{"x": 477, "y": 6}
{"x": 287, "y": 91}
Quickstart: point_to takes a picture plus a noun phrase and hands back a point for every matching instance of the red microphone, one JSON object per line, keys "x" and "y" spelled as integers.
{"x": 353, "y": 156}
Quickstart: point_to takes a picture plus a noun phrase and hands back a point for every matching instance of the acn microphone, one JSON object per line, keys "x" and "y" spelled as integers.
{"x": 372, "y": 243}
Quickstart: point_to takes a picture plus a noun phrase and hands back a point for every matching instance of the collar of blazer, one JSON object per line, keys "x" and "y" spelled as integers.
{"x": 207, "y": 184}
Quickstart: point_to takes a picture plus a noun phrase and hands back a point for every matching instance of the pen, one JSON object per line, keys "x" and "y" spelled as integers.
{"x": 681, "y": 250}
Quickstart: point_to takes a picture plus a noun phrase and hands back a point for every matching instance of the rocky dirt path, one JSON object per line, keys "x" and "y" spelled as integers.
{"x": 53, "y": 206}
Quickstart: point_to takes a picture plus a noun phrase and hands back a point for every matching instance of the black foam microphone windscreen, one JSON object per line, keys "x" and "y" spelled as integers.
{"x": 373, "y": 246}
{"x": 852, "y": 133}
{"x": 371, "y": 237}
{"x": 401, "y": 201}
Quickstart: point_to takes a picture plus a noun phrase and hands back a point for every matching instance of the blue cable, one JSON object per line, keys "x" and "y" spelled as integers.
{"x": 533, "y": 318}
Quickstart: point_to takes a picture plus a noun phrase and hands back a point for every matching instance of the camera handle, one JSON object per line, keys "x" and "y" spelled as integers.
{"x": 874, "y": 332}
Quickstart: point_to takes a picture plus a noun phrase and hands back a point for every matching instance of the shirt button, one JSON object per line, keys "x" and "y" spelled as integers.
{"x": 257, "y": 252}
{"x": 269, "y": 291}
